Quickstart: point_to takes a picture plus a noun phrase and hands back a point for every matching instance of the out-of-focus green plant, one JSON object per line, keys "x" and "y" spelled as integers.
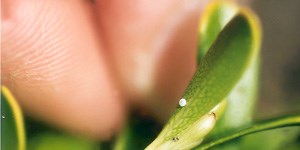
{"x": 58, "y": 141}
{"x": 12, "y": 124}
{"x": 13, "y": 131}
{"x": 219, "y": 106}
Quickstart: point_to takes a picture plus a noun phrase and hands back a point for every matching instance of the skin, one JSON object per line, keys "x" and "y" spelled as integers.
{"x": 79, "y": 66}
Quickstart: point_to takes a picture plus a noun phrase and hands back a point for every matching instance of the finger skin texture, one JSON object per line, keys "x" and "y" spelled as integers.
{"x": 53, "y": 62}
{"x": 153, "y": 48}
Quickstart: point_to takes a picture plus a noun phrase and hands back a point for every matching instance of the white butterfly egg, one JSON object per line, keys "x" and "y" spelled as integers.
{"x": 182, "y": 102}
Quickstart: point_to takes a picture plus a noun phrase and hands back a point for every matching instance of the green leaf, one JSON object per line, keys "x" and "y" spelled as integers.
{"x": 281, "y": 138}
{"x": 139, "y": 132}
{"x": 221, "y": 68}
{"x": 266, "y": 125}
{"x": 242, "y": 99}
{"x": 12, "y": 126}
{"x": 41, "y": 136}
{"x": 215, "y": 17}
{"x": 56, "y": 141}
{"x": 241, "y": 103}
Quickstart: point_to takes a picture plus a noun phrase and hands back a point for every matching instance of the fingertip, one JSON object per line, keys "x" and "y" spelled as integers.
{"x": 52, "y": 61}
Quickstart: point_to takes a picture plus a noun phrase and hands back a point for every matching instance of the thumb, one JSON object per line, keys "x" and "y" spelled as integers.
{"x": 152, "y": 45}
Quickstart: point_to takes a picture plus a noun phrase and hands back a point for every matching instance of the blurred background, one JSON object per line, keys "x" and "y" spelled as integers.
{"x": 280, "y": 70}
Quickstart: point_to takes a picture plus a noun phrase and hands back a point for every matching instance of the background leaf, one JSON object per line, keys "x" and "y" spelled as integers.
{"x": 12, "y": 126}
{"x": 138, "y": 133}
{"x": 216, "y": 15}
{"x": 56, "y": 141}
{"x": 278, "y": 139}
{"x": 40, "y": 136}
{"x": 266, "y": 125}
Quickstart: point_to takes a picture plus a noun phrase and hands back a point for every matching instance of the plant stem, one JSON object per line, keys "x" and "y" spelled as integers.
{"x": 266, "y": 125}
